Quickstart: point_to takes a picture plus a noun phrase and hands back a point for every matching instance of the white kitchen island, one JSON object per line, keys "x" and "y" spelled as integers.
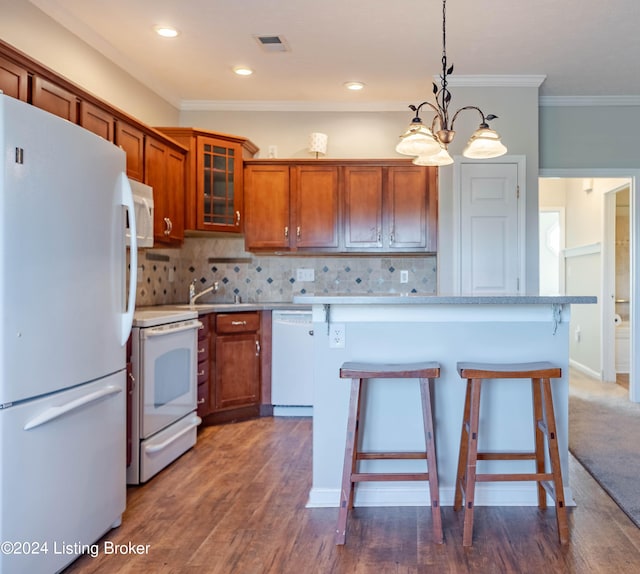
{"x": 394, "y": 329}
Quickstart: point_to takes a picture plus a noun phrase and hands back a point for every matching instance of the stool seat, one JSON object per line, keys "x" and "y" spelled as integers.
{"x": 549, "y": 482}
{"x": 359, "y": 373}
{"x": 540, "y": 370}
{"x": 427, "y": 370}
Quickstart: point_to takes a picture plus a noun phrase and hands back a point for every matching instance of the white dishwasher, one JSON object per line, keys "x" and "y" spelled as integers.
{"x": 292, "y": 363}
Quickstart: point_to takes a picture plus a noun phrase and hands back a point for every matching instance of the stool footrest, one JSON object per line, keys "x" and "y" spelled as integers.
{"x": 393, "y": 476}
{"x": 506, "y": 456}
{"x": 534, "y": 476}
{"x": 391, "y": 456}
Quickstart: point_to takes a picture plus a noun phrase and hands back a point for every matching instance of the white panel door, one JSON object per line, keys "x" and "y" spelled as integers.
{"x": 490, "y": 232}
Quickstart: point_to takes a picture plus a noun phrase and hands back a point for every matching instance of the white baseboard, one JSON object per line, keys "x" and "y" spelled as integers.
{"x": 512, "y": 494}
{"x": 281, "y": 411}
{"x": 586, "y": 370}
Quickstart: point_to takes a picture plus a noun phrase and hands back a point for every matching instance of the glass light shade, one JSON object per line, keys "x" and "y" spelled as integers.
{"x": 418, "y": 140}
{"x": 441, "y": 158}
{"x": 484, "y": 144}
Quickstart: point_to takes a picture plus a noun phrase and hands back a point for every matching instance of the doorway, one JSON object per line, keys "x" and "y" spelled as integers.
{"x": 589, "y": 261}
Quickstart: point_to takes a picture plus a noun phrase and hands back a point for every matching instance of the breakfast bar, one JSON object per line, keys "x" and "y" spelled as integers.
{"x": 446, "y": 329}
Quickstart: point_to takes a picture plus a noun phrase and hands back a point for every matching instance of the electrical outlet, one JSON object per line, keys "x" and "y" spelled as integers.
{"x": 336, "y": 336}
{"x": 404, "y": 276}
{"x": 305, "y": 275}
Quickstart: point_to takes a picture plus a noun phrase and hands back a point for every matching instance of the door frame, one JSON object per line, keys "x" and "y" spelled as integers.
{"x": 520, "y": 161}
{"x": 634, "y": 246}
{"x": 608, "y": 281}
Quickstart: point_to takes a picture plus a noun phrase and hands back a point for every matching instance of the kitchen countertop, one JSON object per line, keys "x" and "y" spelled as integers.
{"x": 417, "y": 299}
{"x": 205, "y": 308}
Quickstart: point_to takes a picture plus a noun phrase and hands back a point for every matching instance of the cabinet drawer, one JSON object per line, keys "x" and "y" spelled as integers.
{"x": 202, "y": 373}
{"x": 203, "y": 350}
{"x": 203, "y": 331}
{"x": 237, "y": 322}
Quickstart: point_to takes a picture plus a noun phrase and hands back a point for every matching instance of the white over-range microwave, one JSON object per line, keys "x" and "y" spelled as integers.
{"x": 143, "y": 204}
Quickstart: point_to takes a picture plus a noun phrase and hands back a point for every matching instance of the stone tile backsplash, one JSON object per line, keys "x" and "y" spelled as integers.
{"x": 164, "y": 274}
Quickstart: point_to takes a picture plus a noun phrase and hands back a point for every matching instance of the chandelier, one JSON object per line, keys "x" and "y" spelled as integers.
{"x": 429, "y": 145}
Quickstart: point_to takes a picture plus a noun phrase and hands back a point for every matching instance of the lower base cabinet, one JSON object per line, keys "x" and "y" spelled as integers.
{"x": 232, "y": 389}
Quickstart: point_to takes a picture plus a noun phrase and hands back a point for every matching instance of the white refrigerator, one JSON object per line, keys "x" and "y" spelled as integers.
{"x": 66, "y": 309}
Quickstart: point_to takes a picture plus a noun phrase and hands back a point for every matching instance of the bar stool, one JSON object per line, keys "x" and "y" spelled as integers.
{"x": 359, "y": 373}
{"x": 544, "y": 426}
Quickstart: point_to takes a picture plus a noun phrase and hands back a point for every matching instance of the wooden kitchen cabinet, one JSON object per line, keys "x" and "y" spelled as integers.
{"x": 14, "y": 80}
{"x": 292, "y": 208}
{"x": 345, "y": 206}
{"x": 164, "y": 171}
{"x": 131, "y": 140}
{"x": 202, "y": 370}
{"x": 214, "y": 179}
{"x": 390, "y": 208}
{"x": 97, "y": 120}
{"x": 232, "y": 388}
{"x": 54, "y": 99}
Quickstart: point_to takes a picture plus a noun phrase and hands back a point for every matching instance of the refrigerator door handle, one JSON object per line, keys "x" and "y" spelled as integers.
{"x": 127, "y": 201}
{"x": 54, "y": 413}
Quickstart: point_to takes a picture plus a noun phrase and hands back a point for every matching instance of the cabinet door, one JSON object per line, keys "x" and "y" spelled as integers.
{"x": 131, "y": 140}
{"x": 363, "y": 207}
{"x": 164, "y": 172}
{"x": 175, "y": 177}
{"x": 97, "y": 120}
{"x": 267, "y": 214}
{"x": 406, "y": 204}
{"x": 238, "y": 371}
{"x": 219, "y": 185}
{"x": 14, "y": 80}
{"x": 315, "y": 200}
{"x": 54, "y": 99}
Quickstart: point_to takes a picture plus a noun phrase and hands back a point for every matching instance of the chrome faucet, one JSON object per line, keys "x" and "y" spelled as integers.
{"x": 193, "y": 296}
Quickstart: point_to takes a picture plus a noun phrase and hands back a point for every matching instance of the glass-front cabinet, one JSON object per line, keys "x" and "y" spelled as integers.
{"x": 220, "y": 200}
{"x": 214, "y": 188}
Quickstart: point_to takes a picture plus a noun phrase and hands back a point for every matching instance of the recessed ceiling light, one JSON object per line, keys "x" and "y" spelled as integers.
{"x": 354, "y": 86}
{"x": 242, "y": 70}
{"x": 166, "y": 31}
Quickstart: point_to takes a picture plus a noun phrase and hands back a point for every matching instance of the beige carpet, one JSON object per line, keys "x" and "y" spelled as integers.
{"x": 604, "y": 435}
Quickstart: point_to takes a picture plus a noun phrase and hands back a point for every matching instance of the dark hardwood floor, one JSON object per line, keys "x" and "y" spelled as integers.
{"x": 235, "y": 503}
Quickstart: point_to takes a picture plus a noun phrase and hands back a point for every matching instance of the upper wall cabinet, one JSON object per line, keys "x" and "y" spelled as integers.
{"x": 131, "y": 140}
{"x": 55, "y": 99}
{"x": 214, "y": 188}
{"x": 347, "y": 206}
{"x": 292, "y": 207}
{"x": 14, "y": 80}
{"x": 164, "y": 172}
{"x": 97, "y": 120}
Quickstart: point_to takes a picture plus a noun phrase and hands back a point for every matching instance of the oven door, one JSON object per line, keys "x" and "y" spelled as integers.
{"x": 168, "y": 372}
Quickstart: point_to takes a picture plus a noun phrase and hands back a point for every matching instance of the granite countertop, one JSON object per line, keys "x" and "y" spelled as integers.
{"x": 417, "y": 299}
{"x": 204, "y": 308}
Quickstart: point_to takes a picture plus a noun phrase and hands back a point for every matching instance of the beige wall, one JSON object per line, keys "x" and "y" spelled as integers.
{"x": 28, "y": 29}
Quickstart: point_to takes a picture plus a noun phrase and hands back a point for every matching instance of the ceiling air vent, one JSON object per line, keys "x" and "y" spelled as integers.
{"x": 272, "y": 43}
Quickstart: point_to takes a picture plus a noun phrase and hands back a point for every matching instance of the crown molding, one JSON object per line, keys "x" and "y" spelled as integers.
{"x": 582, "y": 101}
{"x": 496, "y": 81}
{"x": 289, "y": 106}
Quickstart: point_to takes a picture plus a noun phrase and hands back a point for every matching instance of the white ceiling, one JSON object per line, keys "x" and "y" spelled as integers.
{"x": 583, "y": 47}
